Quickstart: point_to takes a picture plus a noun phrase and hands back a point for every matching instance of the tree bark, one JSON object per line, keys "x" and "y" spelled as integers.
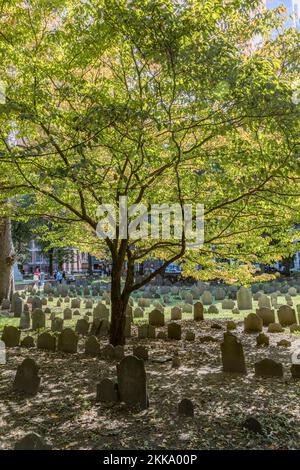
{"x": 118, "y": 307}
{"x": 7, "y": 259}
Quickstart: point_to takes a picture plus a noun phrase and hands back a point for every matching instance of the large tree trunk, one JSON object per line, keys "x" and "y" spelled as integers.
{"x": 119, "y": 302}
{"x": 7, "y": 259}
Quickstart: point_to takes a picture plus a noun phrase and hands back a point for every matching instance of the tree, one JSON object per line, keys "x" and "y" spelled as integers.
{"x": 157, "y": 101}
{"x": 7, "y": 259}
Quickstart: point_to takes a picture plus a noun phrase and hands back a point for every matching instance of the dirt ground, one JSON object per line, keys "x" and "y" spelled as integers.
{"x": 66, "y": 413}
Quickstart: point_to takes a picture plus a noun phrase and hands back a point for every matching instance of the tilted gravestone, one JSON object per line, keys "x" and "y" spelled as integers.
{"x": 107, "y": 391}
{"x": 268, "y": 368}
{"x": 244, "y": 299}
{"x": 27, "y": 379}
{"x": 46, "y": 341}
{"x": 67, "y": 341}
{"x": 198, "y": 311}
{"x": 286, "y": 315}
{"x": 233, "y": 359}
{"x": 132, "y": 382}
{"x": 253, "y": 323}
{"x": 38, "y": 319}
{"x": 267, "y": 315}
{"x": 156, "y": 318}
{"x": 92, "y": 346}
{"x": 11, "y": 336}
{"x": 174, "y": 331}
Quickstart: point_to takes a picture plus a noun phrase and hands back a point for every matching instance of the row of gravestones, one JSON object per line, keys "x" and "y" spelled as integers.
{"x": 233, "y": 360}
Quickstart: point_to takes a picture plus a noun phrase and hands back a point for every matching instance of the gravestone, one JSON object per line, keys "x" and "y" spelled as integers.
{"x": 138, "y": 312}
{"x": 24, "y": 321}
{"x": 67, "y": 341}
{"x": 108, "y": 352}
{"x": 267, "y": 315}
{"x": 212, "y": 309}
{"x": 264, "y": 301}
{"x": 244, "y": 299}
{"x": 286, "y": 315}
{"x": 146, "y": 331}
{"x": 27, "y": 379}
{"x": 82, "y": 327}
{"x": 232, "y": 354}
{"x": 275, "y": 328}
{"x": 92, "y": 346}
{"x": 75, "y": 303}
{"x": 262, "y": 340}
{"x": 141, "y": 352}
{"x": 295, "y": 371}
{"x": 174, "y": 331}
{"x": 28, "y": 342}
{"x": 11, "y": 336}
{"x": 186, "y": 408}
{"x": 38, "y": 319}
{"x": 107, "y": 391}
{"x": 18, "y": 307}
{"x": 119, "y": 352}
{"x": 198, "y": 311}
{"x": 268, "y": 368}
{"x": 156, "y": 318}
{"x": 206, "y": 298}
{"x": 253, "y": 323}
{"x": 57, "y": 324}
{"x": 228, "y": 304}
{"x": 5, "y": 305}
{"x": 46, "y": 341}
{"x": 36, "y": 303}
{"x": 68, "y": 314}
{"x": 189, "y": 335}
{"x": 176, "y": 313}
{"x": 132, "y": 381}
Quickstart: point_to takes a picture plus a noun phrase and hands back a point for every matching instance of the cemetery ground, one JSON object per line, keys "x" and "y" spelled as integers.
{"x": 66, "y": 413}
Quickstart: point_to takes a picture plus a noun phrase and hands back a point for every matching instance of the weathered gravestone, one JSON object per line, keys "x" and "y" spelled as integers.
{"x": 36, "y": 303}
{"x": 107, "y": 391}
{"x": 176, "y": 313}
{"x": 232, "y": 354}
{"x": 46, "y": 341}
{"x": 268, "y": 368}
{"x": 108, "y": 352}
{"x": 11, "y": 336}
{"x": 286, "y": 315}
{"x": 198, "y": 311}
{"x": 132, "y": 383}
{"x": 138, "y": 312}
{"x": 228, "y": 304}
{"x": 5, "y": 305}
{"x": 92, "y": 346}
{"x": 67, "y": 341}
{"x": 174, "y": 331}
{"x": 82, "y": 327}
{"x": 146, "y": 331}
{"x": 262, "y": 340}
{"x": 244, "y": 299}
{"x": 27, "y": 379}
{"x": 253, "y": 323}
{"x": 267, "y": 315}
{"x": 75, "y": 303}
{"x": 275, "y": 328}
{"x": 38, "y": 319}
{"x": 156, "y": 318}
{"x": 32, "y": 441}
